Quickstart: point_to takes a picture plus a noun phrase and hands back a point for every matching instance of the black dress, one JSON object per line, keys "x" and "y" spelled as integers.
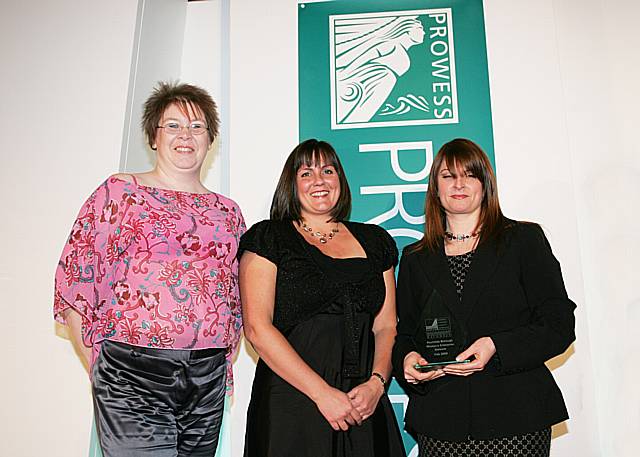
{"x": 325, "y": 308}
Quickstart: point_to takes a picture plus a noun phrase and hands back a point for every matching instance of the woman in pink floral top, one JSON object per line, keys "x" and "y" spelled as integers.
{"x": 147, "y": 283}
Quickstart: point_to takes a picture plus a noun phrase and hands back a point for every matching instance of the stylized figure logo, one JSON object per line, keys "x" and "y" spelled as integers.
{"x": 371, "y": 53}
{"x": 369, "y": 56}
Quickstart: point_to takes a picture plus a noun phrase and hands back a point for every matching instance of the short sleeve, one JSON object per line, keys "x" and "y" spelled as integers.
{"x": 80, "y": 270}
{"x": 240, "y": 224}
{"x": 235, "y": 307}
{"x": 263, "y": 239}
{"x": 389, "y": 257}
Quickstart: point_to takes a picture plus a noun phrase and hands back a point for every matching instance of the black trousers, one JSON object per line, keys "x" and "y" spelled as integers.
{"x": 158, "y": 402}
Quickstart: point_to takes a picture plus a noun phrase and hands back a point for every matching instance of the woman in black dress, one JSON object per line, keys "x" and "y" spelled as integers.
{"x": 318, "y": 295}
{"x": 497, "y": 289}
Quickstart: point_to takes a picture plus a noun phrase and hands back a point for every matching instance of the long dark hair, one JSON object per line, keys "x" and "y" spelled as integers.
{"x": 462, "y": 154}
{"x": 285, "y": 203}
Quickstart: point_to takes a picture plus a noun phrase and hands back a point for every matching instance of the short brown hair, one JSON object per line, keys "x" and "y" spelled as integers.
{"x": 462, "y": 154}
{"x": 187, "y": 98}
{"x": 285, "y": 203}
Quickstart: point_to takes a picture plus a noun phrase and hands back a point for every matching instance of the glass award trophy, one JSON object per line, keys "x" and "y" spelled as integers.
{"x": 438, "y": 337}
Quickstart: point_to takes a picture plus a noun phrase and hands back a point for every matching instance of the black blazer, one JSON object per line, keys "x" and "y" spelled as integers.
{"x": 514, "y": 293}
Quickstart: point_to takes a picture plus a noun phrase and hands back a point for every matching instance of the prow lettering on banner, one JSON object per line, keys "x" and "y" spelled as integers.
{"x": 412, "y": 182}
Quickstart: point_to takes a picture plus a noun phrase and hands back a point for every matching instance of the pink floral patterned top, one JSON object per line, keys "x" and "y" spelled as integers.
{"x": 153, "y": 267}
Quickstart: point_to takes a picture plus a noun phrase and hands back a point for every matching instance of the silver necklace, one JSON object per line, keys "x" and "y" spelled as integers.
{"x": 459, "y": 237}
{"x": 322, "y": 237}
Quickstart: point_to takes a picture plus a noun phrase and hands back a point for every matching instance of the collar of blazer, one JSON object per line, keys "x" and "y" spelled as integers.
{"x": 483, "y": 265}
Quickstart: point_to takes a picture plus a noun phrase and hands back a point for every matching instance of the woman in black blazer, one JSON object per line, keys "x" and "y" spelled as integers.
{"x": 493, "y": 286}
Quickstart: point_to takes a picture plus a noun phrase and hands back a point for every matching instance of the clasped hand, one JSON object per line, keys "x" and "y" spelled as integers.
{"x": 343, "y": 410}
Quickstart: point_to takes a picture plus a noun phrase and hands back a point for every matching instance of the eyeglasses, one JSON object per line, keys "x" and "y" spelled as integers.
{"x": 174, "y": 128}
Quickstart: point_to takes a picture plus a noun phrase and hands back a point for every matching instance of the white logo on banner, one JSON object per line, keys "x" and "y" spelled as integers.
{"x": 369, "y": 57}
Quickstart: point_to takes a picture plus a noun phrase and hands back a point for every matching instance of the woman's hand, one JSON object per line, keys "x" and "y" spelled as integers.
{"x": 482, "y": 349}
{"x": 337, "y": 409}
{"x": 414, "y": 376}
{"x": 364, "y": 397}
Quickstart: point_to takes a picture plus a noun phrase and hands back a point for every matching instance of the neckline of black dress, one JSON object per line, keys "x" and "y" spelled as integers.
{"x": 308, "y": 245}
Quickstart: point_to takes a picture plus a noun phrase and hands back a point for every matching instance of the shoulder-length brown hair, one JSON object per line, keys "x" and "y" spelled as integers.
{"x": 462, "y": 155}
{"x": 285, "y": 203}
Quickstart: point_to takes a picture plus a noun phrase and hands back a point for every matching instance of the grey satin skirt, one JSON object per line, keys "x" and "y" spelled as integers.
{"x": 158, "y": 402}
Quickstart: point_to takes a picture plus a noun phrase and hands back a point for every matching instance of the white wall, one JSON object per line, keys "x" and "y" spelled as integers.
{"x": 156, "y": 56}
{"x": 65, "y": 79}
{"x": 202, "y": 57}
{"x": 564, "y": 98}
{"x": 65, "y": 69}
{"x": 565, "y": 107}
{"x": 175, "y": 40}
{"x": 263, "y": 130}
{"x": 600, "y": 84}
{"x": 536, "y": 177}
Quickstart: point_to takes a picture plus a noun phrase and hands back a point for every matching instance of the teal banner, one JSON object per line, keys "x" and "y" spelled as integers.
{"x": 387, "y": 83}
